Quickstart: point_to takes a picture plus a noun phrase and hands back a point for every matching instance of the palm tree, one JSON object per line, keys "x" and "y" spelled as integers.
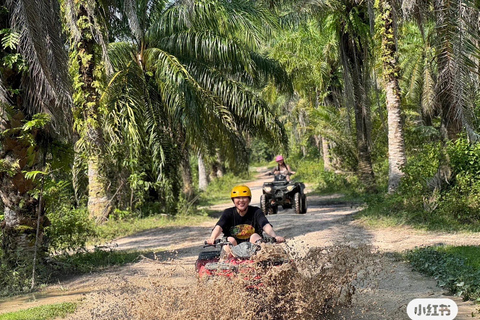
{"x": 417, "y": 62}
{"x": 349, "y": 21}
{"x": 38, "y": 82}
{"x": 456, "y": 25}
{"x": 310, "y": 55}
{"x": 396, "y": 141}
{"x": 192, "y": 71}
{"x": 83, "y": 19}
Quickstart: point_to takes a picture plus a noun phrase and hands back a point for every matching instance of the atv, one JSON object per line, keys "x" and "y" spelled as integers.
{"x": 244, "y": 260}
{"x": 280, "y": 192}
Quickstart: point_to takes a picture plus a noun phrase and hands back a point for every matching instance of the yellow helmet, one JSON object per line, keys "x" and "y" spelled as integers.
{"x": 240, "y": 191}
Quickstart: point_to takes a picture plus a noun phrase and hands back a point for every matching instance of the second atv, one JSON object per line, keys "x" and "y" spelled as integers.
{"x": 280, "y": 192}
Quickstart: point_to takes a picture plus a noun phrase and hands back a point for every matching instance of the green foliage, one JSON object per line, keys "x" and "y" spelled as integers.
{"x": 418, "y": 172}
{"x": 70, "y": 229}
{"x": 189, "y": 208}
{"x": 10, "y": 39}
{"x": 13, "y": 280}
{"x": 12, "y": 60}
{"x": 455, "y": 207}
{"x": 219, "y": 189}
{"x": 48, "y": 312}
{"x": 115, "y": 229}
{"x": 260, "y": 151}
{"x": 98, "y": 259}
{"x": 464, "y": 157}
{"x": 456, "y": 269}
{"x": 462, "y": 199}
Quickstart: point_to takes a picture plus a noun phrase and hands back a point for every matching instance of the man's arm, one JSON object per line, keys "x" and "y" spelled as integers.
{"x": 215, "y": 233}
{"x": 269, "y": 230}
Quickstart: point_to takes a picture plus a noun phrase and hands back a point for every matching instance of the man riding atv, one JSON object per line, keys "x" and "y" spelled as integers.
{"x": 242, "y": 222}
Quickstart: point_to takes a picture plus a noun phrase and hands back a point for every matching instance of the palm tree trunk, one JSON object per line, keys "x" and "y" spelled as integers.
{"x": 220, "y": 165}
{"x": 327, "y": 163}
{"x": 187, "y": 178}
{"x": 355, "y": 62}
{"x": 202, "y": 174}
{"x": 362, "y": 125}
{"x": 19, "y": 206}
{"x": 396, "y": 142}
{"x": 98, "y": 205}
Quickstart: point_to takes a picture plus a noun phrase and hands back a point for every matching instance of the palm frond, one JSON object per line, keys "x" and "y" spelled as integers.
{"x": 240, "y": 19}
{"x": 42, "y": 45}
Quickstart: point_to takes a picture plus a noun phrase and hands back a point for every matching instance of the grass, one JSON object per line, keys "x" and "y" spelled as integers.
{"x": 457, "y": 269}
{"x": 471, "y": 254}
{"x": 123, "y": 228}
{"x": 388, "y": 211}
{"x": 218, "y": 191}
{"x": 46, "y": 312}
{"x": 96, "y": 260}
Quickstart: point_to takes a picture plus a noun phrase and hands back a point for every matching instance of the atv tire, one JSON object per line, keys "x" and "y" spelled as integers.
{"x": 304, "y": 204}
{"x": 263, "y": 204}
{"x": 273, "y": 210}
{"x": 297, "y": 203}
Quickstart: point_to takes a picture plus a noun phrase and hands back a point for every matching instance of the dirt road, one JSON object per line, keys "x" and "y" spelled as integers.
{"x": 386, "y": 297}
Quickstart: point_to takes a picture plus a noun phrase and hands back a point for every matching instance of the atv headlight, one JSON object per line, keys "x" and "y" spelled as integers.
{"x": 267, "y": 189}
{"x": 290, "y": 188}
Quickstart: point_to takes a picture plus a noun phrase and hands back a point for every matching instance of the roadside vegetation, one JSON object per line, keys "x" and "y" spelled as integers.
{"x": 456, "y": 269}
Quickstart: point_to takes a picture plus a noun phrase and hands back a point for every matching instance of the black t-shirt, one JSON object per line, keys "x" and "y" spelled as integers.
{"x": 241, "y": 228}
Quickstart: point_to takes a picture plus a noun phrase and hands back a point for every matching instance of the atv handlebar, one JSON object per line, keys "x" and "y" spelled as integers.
{"x": 220, "y": 242}
{"x": 270, "y": 173}
{"x": 268, "y": 239}
{"x": 223, "y": 241}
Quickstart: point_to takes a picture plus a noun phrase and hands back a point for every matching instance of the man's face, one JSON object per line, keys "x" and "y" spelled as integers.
{"x": 241, "y": 203}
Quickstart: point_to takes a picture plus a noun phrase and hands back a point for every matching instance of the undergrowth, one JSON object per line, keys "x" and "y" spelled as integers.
{"x": 91, "y": 261}
{"x": 456, "y": 269}
{"x": 218, "y": 190}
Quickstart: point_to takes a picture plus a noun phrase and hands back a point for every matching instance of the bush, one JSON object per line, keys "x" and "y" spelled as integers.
{"x": 219, "y": 189}
{"x": 14, "y": 280}
{"x": 70, "y": 229}
{"x": 452, "y": 271}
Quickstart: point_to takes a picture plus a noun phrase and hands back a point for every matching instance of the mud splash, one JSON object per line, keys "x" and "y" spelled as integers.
{"x": 318, "y": 282}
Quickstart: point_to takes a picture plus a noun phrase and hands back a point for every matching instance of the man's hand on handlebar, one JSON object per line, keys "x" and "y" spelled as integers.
{"x": 211, "y": 241}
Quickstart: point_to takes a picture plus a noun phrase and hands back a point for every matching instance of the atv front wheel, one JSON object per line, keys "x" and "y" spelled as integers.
{"x": 304, "y": 204}
{"x": 263, "y": 204}
{"x": 297, "y": 204}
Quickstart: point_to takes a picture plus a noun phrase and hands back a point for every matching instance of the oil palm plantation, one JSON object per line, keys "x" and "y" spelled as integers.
{"x": 349, "y": 22}
{"x": 310, "y": 55}
{"x": 187, "y": 79}
{"x": 456, "y": 48}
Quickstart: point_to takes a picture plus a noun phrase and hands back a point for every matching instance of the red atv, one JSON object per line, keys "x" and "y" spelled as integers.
{"x": 246, "y": 259}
